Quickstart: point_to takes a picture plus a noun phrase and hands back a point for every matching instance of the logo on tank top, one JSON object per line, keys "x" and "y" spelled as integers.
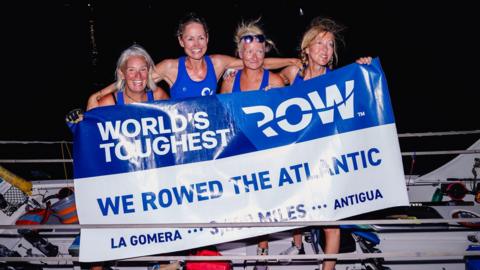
{"x": 206, "y": 91}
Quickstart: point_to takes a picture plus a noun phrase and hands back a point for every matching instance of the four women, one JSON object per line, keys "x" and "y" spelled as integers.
{"x": 196, "y": 74}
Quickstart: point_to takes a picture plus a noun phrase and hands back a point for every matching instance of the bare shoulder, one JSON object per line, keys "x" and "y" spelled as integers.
{"x": 276, "y": 80}
{"x": 223, "y": 62}
{"x": 289, "y": 73}
{"x": 160, "y": 94}
{"x": 166, "y": 70}
{"x": 291, "y": 69}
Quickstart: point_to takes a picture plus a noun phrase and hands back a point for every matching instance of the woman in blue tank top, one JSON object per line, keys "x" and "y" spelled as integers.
{"x": 251, "y": 48}
{"x": 197, "y": 74}
{"x": 318, "y": 51}
{"x": 135, "y": 83}
{"x": 194, "y": 74}
{"x": 318, "y": 55}
{"x": 134, "y": 79}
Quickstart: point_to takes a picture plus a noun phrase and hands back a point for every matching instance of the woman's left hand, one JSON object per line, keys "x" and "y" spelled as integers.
{"x": 367, "y": 60}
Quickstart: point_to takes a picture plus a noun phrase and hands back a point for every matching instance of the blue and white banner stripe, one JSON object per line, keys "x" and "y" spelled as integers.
{"x": 351, "y": 98}
{"x": 326, "y": 149}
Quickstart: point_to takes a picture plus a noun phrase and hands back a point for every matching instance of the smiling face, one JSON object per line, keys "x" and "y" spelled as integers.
{"x": 194, "y": 40}
{"x": 252, "y": 54}
{"x": 135, "y": 74}
{"x": 320, "y": 50}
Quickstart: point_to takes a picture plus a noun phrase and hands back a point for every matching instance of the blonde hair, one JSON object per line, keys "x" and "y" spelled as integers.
{"x": 134, "y": 50}
{"x": 317, "y": 26}
{"x": 251, "y": 28}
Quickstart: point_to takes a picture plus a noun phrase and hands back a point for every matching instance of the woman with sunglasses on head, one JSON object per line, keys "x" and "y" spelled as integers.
{"x": 194, "y": 74}
{"x": 251, "y": 48}
{"x": 318, "y": 55}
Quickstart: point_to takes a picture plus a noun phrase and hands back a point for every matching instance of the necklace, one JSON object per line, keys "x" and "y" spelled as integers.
{"x": 132, "y": 99}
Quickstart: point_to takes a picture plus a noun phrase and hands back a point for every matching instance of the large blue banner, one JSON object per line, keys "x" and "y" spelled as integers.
{"x": 171, "y": 133}
{"x": 324, "y": 149}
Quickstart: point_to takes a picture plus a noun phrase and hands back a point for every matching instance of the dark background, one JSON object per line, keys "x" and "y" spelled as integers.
{"x": 59, "y": 52}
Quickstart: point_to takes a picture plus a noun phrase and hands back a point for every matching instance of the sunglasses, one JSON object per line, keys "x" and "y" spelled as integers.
{"x": 250, "y": 38}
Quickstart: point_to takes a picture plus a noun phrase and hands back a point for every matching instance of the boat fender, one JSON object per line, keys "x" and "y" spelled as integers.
{"x": 16, "y": 180}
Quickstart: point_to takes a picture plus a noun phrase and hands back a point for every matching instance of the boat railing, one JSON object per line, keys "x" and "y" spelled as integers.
{"x": 65, "y": 147}
{"x": 390, "y": 256}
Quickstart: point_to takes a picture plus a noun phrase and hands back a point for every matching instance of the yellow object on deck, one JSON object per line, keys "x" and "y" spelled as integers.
{"x": 16, "y": 180}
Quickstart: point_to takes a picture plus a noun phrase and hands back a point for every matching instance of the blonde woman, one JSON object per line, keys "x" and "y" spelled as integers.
{"x": 252, "y": 44}
{"x": 318, "y": 55}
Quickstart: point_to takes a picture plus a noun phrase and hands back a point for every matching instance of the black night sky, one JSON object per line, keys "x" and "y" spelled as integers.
{"x": 59, "y": 52}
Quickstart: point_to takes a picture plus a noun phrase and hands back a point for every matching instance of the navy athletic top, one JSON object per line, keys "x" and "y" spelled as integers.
{"x": 185, "y": 87}
{"x": 263, "y": 85}
{"x": 299, "y": 78}
{"x": 120, "y": 100}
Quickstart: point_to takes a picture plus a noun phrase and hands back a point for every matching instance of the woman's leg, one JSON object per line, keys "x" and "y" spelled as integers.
{"x": 332, "y": 246}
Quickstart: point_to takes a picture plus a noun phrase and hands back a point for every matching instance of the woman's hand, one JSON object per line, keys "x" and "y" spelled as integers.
{"x": 367, "y": 60}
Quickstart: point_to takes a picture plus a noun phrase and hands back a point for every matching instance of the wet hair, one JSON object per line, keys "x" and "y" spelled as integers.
{"x": 321, "y": 25}
{"x": 188, "y": 19}
{"x": 134, "y": 50}
{"x": 251, "y": 28}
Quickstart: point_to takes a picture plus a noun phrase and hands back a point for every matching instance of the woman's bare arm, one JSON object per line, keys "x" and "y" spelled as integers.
{"x": 93, "y": 100}
{"x": 227, "y": 85}
{"x": 276, "y": 63}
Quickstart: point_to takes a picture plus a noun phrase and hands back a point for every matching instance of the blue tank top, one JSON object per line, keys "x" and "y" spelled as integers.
{"x": 121, "y": 101}
{"x": 185, "y": 87}
{"x": 263, "y": 85}
{"x": 299, "y": 78}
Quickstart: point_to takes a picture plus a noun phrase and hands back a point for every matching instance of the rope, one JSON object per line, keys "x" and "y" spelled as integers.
{"x": 35, "y": 142}
{"x": 68, "y": 151}
{"x": 451, "y": 152}
{"x": 406, "y": 256}
{"x": 444, "y": 133}
{"x": 35, "y": 160}
{"x": 412, "y": 165}
{"x": 401, "y": 135}
{"x": 244, "y": 224}
{"x": 64, "y": 163}
{"x": 421, "y": 153}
